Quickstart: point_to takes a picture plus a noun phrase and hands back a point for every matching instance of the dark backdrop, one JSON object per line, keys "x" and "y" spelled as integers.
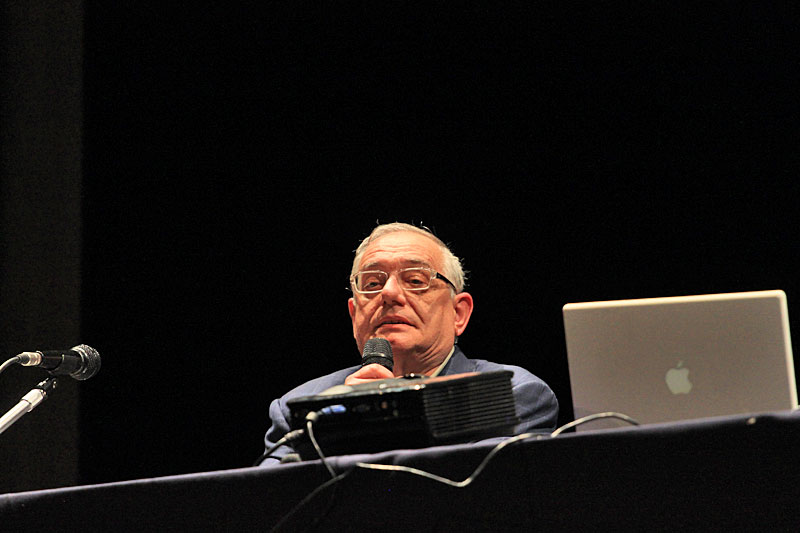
{"x": 235, "y": 155}
{"x": 41, "y": 52}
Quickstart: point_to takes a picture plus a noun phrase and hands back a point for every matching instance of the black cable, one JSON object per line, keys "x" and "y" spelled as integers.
{"x": 289, "y": 437}
{"x": 457, "y": 484}
{"x": 310, "y": 497}
{"x": 394, "y": 468}
{"x": 292, "y": 436}
{"x": 309, "y": 427}
{"x": 397, "y": 468}
{"x": 313, "y": 416}
{"x": 494, "y": 451}
{"x": 8, "y": 363}
{"x": 591, "y": 418}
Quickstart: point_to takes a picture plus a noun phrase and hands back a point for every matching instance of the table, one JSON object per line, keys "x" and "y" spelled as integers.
{"x": 738, "y": 472}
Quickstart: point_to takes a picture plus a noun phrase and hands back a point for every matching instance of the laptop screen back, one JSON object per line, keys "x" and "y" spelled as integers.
{"x": 666, "y": 359}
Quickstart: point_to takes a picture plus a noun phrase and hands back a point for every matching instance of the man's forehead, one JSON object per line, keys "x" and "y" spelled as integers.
{"x": 400, "y": 262}
{"x": 402, "y": 248}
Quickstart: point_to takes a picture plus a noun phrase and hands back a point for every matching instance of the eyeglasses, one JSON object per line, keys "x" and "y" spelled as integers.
{"x": 409, "y": 279}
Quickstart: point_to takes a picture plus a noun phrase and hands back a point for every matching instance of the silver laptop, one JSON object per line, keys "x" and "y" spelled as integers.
{"x": 665, "y": 359}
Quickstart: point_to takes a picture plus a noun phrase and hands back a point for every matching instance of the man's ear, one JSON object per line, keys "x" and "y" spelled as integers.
{"x": 462, "y": 304}
{"x": 351, "y": 308}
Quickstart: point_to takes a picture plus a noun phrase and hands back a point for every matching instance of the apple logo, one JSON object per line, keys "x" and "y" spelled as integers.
{"x": 678, "y": 379}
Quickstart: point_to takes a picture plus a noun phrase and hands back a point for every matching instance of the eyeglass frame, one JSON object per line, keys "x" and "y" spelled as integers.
{"x": 433, "y": 271}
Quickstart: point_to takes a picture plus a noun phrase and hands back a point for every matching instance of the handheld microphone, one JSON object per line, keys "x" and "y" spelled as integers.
{"x": 80, "y": 362}
{"x": 378, "y": 351}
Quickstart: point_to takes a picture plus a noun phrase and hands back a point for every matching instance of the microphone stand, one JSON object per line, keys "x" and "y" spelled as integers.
{"x": 36, "y": 396}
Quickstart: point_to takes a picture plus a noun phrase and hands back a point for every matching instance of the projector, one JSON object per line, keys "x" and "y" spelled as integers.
{"x": 407, "y": 412}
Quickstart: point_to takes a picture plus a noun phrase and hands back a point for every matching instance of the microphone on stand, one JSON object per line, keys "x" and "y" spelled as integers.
{"x": 28, "y": 402}
{"x": 80, "y": 362}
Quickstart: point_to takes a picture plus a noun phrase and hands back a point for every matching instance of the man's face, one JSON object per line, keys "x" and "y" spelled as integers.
{"x": 421, "y": 326}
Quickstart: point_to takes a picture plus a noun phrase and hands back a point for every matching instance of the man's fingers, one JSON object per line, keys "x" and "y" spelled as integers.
{"x": 368, "y": 373}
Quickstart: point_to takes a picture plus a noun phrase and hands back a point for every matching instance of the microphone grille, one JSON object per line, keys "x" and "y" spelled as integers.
{"x": 379, "y": 351}
{"x": 91, "y": 362}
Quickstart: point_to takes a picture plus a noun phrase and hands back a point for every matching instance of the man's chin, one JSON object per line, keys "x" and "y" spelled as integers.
{"x": 398, "y": 339}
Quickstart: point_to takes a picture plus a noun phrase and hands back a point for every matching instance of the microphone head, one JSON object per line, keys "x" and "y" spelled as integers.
{"x": 378, "y": 351}
{"x": 91, "y": 362}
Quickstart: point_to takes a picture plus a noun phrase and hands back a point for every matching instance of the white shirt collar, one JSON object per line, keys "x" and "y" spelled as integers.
{"x": 446, "y": 359}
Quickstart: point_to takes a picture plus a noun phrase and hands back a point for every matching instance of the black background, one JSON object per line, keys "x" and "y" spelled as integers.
{"x": 235, "y": 156}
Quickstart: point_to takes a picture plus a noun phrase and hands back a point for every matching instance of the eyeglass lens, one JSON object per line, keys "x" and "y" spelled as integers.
{"x": 409, "y": 279}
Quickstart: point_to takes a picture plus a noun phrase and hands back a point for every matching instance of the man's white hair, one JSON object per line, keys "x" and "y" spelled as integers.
{"x": 452, "y": 268}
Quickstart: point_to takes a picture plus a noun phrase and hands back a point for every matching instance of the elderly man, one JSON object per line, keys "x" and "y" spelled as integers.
{"x": 408, "y": 288}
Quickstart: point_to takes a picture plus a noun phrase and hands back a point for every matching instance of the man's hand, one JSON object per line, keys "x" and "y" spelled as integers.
{"x": 368, "y": 373}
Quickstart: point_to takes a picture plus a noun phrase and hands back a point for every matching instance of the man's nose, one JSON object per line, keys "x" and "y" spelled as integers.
{"x": 392, "y": 291}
